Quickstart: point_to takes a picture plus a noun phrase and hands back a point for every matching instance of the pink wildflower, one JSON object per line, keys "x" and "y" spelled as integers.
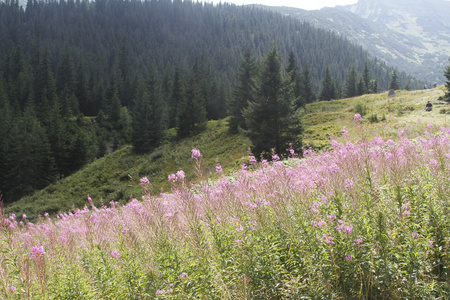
{"x": 145, "y": 181}
{"x": 180, "y": 175}
{"x": 348, "y": 257}
{"x": 328, "y": 239}
{"x": 252, "y": 159}
{"x": 160, "y": 292}
{"x": 184, "y": 276}
{"x": 172, "y": 178}
{"x": 431, "y": 243}
{"x": 434, "y": 163}
{"x": 195, "y": 154}
{"x": 344, "y": 131}
{"x": 357, "y": 117}
{"x": 115, "y": 254}
{"x": 37, "y": 251}
{"x": 415, "y": 235}
{"x": 357, "y": 241}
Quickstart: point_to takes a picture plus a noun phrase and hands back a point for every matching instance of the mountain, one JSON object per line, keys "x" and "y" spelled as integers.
{"x": 412, "y": 35}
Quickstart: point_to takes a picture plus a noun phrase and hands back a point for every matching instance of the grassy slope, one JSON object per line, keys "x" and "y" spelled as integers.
{"x": 116, "y": 176}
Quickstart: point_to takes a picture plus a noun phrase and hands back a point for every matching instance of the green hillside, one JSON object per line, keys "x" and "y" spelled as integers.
{"x": 116, "y": 176}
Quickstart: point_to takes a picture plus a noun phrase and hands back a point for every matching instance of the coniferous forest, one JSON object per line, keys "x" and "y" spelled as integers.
{"x": 80, "y": 79}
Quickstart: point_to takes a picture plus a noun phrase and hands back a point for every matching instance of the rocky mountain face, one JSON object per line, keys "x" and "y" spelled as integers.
{"x": 412, "y": 35}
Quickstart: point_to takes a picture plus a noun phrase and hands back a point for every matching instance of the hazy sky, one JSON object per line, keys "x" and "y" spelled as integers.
{"x": 304, "y": 4}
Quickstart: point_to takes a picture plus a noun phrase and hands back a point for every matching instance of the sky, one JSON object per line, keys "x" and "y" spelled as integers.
{"x": 304, "y": 4}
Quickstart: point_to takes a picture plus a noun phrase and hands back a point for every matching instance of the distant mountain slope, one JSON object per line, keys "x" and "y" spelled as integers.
{"x": 161, "y": 34}
{"x": 413, "y": 35}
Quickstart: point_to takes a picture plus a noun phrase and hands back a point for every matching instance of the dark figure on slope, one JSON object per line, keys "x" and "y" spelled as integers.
{"x": 429, "y": 106}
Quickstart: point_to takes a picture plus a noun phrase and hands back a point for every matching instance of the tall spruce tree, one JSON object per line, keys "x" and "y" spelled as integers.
{"x": 294, "y": 77}
{"x": 446, "y": 97}
{"x": 328, "y": 88}
{"x": 366, "y": 79}
{"x": 307, "y": 90}
{"x": 148, "y": 117}
{"x": 272, "y": 119}
{"x": 191, "y": 112}
{"x": 351, "y": 83}
{"x": 30, "y": 162}
{"x": 394, "y": 83}
{"x": 243, "y": 92}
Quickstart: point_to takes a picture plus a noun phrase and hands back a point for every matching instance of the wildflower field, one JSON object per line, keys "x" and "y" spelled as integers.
{"x": 366, "y": 220}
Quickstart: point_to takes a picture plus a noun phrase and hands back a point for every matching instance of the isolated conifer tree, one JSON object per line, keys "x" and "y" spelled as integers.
{"x": 394, "y": 83}
{"x": 272, "y": 119}
{"x": 446, "y": 97}
{"x": 243, "y": 92}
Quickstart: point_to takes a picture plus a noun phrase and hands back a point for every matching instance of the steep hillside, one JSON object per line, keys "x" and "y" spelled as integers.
{"x": 411, "y": 35}
{"x": 116, "y": 176}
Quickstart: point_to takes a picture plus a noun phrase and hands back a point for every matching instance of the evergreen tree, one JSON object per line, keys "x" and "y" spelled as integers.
{"x": 307, "y": 87}
{"x": 328, "y": 89}
{"x": 366, "y": 79}
{"x": 6, "y": 125}
{"x": 191, "y": 112}
{"x": 44, "y": 87}
{"x": 394, "y": 83}
{"x": 351, "y": 83}
{"x": 81, "y": 90}
{"x": 176, "y": 97}
{"x": 295, "y": 79}
{"x": 30, "y": 162}
{"x": 361, "y": 88}
{"x": 148, "y": 117}
{"x": 271, "y": 118}
{"x": 243, "y": 92}
{"x": 446, "y": 97}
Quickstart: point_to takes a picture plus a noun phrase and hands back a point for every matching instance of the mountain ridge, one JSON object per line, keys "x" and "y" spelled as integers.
{"x": 413, "y": 36}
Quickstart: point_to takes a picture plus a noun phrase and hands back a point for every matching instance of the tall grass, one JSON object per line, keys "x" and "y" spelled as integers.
{"x": 367, "y": 220}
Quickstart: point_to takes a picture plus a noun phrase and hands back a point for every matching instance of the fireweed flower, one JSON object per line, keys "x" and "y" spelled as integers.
{"x": 328, "y": 239}
{"x": 184, "y": 276}
{"x": 115, "y": 254}
{"x": 172, "y": 178}
{"x": 348, "y": 257}
{"x": 344, "y": 131}
{"x": 160, "y": 292}
{"x": 195, "y": 154}
{"x": 12, "y": 288}
{"x": 252, "y": 160}
{"x": 37, "y": 251}
{"x": 357, "y": 241}
{"x": 145, "y": 181}
{"x": 357, "y": 117}
{"x": 180, "y": 175}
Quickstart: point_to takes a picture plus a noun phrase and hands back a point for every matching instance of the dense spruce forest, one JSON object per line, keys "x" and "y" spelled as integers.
{"x": 80, "y": 79}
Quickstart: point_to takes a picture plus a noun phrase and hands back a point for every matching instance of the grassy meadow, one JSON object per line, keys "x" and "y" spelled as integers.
{"x": 362, "y": 215}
